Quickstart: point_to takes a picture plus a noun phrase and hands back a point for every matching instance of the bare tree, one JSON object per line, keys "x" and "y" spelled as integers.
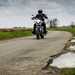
{"x": 72, "y": 24}
{"x": 55, "y": 22}
{"x": 51, "y": 23}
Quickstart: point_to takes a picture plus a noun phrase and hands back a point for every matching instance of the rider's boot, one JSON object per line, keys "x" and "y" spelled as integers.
{"x": 45, "y": 31}
{"x": 44, "y": 25}
{"x": 33, "y": 32}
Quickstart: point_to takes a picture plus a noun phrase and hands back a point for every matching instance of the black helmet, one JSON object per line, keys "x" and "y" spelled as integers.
{"x": 40, "y": 11}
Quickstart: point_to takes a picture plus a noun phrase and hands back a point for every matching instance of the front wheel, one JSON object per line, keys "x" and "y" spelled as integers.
{"x": 37, "y": 36}
{"x": 42, "y": 36}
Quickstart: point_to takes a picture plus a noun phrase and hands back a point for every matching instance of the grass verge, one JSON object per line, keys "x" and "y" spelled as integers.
{"x": 68, "y": 71}
{"x": 14, "y": 34}
{"x": 69, "y": 29}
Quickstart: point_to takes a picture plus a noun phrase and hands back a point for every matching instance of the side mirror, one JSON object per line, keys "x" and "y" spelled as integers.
{"x": 32, "y": 15}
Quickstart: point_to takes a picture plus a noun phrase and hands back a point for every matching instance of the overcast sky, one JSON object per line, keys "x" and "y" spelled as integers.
{"x": 19, "y": 12}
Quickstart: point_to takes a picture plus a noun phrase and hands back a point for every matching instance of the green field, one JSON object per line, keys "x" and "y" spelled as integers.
{"x": 21, "y": 33}
{"x": 69, "y": 29}
{"x": 14, "y": 34}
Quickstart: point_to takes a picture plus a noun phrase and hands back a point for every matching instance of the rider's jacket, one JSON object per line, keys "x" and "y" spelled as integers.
{"x": 40, "y": 16}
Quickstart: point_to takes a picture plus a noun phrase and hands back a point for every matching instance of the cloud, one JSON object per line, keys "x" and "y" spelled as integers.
{"x": 61, "y": 9}
{"x": 69, "y": 5}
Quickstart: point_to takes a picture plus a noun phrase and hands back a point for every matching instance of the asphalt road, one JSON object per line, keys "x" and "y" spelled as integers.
{"x": 22, "y": 54}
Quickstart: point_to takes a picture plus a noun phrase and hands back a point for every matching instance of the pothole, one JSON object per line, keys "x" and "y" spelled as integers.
{"x": 72, "y": 46}
{"x": 66, "y": 60}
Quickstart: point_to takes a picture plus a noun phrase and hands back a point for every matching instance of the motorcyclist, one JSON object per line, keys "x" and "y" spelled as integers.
{"x": 40, "y": 16}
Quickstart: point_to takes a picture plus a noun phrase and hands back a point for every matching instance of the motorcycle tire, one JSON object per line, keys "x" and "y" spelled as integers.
{"x": 42, "y": 36}
{"x": 38, "y": 37}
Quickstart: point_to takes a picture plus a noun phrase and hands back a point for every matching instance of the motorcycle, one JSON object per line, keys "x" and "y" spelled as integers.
{"x": 39, "y": 30}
